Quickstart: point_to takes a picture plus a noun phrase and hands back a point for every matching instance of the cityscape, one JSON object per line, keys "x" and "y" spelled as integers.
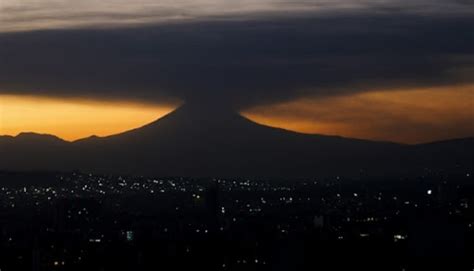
{"x": 81, "y": 221}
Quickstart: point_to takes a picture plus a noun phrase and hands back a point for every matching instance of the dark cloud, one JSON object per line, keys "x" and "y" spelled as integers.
{"x": 241, "y": 62}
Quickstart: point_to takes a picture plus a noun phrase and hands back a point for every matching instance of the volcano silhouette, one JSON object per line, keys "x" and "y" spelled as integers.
{"x": 197, "y": 141}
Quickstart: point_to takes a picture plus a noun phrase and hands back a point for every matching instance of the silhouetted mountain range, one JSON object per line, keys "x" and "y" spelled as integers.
{"x": 195, "y": 141}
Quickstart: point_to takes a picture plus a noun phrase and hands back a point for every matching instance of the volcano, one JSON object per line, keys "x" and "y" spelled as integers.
{"x": 200, "y": 142}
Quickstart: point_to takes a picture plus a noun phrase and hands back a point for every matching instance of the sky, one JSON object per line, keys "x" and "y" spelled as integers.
{"x": 393, "y": 70}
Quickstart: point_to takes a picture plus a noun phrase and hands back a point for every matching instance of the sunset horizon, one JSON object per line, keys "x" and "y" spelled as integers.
{"x": 447, "y": 115}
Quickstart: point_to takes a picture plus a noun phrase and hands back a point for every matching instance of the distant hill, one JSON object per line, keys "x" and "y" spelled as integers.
{"x": 196, "y": 141}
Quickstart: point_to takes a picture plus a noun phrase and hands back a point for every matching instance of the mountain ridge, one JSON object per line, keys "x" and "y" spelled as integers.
{"x": 196, "y": 141}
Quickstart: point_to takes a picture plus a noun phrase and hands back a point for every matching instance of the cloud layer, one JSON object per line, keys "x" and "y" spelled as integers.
{"x": 18, "y": 15}
{"x": 240, "y": 55}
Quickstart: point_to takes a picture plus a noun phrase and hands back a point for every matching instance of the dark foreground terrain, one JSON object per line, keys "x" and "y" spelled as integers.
{"x": 77, "y": 221}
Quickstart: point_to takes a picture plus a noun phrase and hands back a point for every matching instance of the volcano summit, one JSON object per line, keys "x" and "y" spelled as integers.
{"x": 196, "y": 141}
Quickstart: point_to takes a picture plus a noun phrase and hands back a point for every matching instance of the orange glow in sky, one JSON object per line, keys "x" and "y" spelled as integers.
{"x": 409, "y": 116}
{"x": 73, "y": 119}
